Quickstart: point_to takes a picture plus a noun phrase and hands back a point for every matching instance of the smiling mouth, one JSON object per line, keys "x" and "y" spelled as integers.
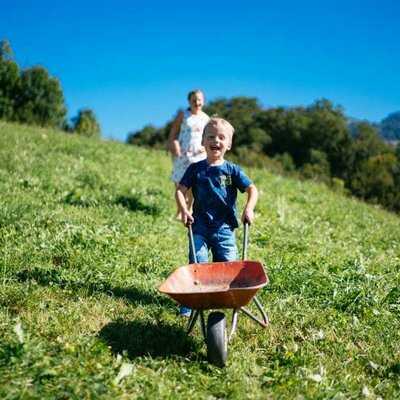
{"x": 215, "y": 148}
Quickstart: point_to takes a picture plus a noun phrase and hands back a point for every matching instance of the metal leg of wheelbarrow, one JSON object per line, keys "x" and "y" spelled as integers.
{"x": 233, "y": 323}
{"x": 264, "y": 323}
{"x": 193, "y": 319}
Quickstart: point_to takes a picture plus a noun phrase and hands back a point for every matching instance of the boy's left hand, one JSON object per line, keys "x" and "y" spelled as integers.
{"x": 248, "y": 216}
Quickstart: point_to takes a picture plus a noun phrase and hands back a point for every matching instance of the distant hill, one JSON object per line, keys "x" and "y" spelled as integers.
{"x": 390, "y": 127}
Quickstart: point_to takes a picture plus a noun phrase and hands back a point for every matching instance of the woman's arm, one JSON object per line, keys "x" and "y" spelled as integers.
{"x": 173, "y": 144}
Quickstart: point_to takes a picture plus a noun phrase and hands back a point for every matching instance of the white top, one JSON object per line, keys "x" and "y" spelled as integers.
{"x": 190, "y": 135}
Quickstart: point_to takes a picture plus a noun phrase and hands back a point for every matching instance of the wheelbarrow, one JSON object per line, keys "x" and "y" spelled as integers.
{"x": 218, "y": 285}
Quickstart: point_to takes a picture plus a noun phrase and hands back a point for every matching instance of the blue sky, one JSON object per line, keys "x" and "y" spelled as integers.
{"x": 134, "y": 62}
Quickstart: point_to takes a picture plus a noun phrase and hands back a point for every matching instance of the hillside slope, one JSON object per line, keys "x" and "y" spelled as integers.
{"x": 86, "y": 235}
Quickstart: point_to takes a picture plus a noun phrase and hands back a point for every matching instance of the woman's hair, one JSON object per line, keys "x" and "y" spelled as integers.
{"x": 215, "y": 120}
{"x": 195, "y": 91}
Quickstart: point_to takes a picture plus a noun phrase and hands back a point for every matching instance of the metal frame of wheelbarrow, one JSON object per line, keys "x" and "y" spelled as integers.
{"x": 215, "y": 333}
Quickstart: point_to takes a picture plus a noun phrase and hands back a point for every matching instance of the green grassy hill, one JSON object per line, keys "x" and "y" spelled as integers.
{"x": 87, "y": 233}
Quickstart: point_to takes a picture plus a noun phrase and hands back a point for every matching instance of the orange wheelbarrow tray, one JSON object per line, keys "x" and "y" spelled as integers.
{"x": 208, "y": 286}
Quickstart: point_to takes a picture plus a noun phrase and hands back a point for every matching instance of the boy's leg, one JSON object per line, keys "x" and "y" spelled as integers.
{"x": 201, "y": 248}
{"x": 224, "y": 245}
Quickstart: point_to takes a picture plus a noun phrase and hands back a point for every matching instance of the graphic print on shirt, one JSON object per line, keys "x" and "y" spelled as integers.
{"x": 226, "y": 180}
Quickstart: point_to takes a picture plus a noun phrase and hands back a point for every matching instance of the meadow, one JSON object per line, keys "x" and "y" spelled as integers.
{"x": 87, "y": 233}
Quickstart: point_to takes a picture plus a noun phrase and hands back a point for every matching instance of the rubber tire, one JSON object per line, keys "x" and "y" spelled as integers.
{"x": 217, "y": 339}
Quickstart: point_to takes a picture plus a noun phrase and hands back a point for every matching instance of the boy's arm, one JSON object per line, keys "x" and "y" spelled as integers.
{"x": 252, "y": 197}
{"x": 180, "y": 197}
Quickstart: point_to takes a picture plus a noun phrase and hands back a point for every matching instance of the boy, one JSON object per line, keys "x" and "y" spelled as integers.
{"x": 214, "y": 183}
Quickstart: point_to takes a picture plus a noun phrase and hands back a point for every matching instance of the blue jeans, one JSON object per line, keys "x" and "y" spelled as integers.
{"x": 221, "y": 242}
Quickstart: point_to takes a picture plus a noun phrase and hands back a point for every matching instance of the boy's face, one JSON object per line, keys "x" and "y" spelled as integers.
{"x": 196, "y": 102}
{"x": 216, "y": 141}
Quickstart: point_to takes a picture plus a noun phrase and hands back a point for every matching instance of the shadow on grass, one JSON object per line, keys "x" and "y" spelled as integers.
{"x": 54, "y": 278}
{"x": 138, "y": 339}
{"x": 134, "y": 203}
{"x": 138, "y": 296}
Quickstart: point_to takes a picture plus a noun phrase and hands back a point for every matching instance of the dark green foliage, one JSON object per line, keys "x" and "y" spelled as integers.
{"x": 286, "y": 128}
{"x": 375, "y": 169}
{"x": 30, "y": 96}
{"x": 327, "y": 133}
{"x": 316, "y": 137}
{"x": 244, "y": 114}
{"x": 41, "y": 100}
{"x": 85, "y": 124}
{"x": 9, "y": 81}
{"x": 150, "y": 136}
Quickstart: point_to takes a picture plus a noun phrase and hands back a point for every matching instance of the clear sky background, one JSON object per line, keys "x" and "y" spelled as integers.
{"x": 134, "y": 62}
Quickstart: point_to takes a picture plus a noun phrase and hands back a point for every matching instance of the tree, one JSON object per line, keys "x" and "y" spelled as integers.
{"x": 30, "y": 96}
{"x": 243, "y": 113}
{"x": 9, "y": 82}
{"x": 85, "y": 123}
{"x": 327, "y": 132}
{"x": 41, "y": 100}
{"x": 375, "y": 165}
{"x": 150, "y": 136}
{"x": 367, "y": 143}
{"x": 286, "y": 128}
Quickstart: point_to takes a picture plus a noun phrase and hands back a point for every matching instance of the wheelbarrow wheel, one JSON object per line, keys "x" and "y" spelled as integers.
{"x": 217, "y": 339}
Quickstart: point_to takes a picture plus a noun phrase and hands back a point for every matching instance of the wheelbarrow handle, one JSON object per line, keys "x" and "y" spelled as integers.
{"x": 245, "y": 240}
{"x": 191, "y": 240}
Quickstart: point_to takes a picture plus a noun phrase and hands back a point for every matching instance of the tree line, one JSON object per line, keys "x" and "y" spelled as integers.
{"x": 31, "y": 96}
{"x": 313, "y": 142}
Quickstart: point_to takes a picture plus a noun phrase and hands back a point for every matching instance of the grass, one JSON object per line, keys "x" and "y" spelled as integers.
{"x": 87, "y": 234}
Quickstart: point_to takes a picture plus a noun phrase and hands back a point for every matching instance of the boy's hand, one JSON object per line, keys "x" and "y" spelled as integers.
{"x": 248, "y": 213}
{"x": 248, "y": 216}
{"x": 187, "y": 218}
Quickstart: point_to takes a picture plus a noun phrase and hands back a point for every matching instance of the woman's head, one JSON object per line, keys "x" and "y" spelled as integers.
{"x": 196, "y": 100}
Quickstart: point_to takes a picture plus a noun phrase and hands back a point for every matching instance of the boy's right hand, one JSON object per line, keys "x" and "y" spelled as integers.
{"x": 187, "y": 218}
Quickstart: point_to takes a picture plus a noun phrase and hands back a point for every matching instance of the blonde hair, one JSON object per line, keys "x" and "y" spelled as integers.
{"x": 215, "y": 120}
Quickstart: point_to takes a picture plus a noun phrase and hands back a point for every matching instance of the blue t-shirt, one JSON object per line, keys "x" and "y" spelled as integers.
{"x": 215, "y": 190}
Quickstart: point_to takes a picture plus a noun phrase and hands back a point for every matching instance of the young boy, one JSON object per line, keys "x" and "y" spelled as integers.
{"x": 214, "y": 183}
